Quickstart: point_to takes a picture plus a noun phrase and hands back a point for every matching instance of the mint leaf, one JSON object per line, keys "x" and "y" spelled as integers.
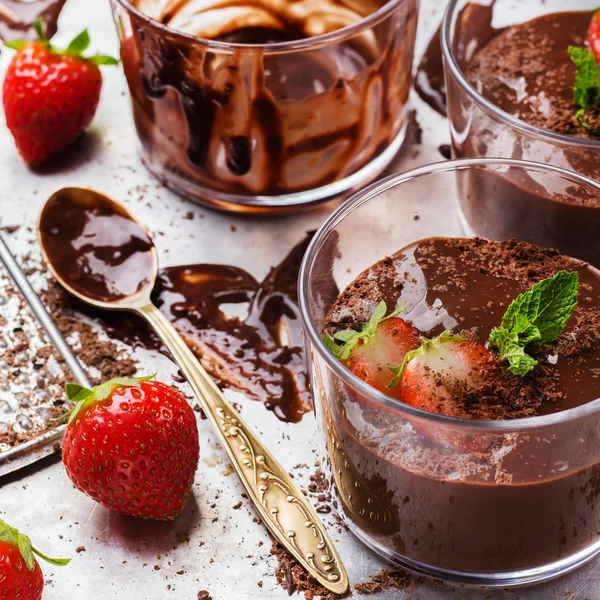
{"x": 538, "y": 316}
{"x": 352, "y": 338}
{"x": 512, "y": 350}
{"x": 586, "y": 92}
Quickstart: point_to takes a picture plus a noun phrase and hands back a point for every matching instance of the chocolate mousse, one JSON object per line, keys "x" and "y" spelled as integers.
{"x": 527, "y": 71}
{"x": 252, "y": 121}
{"x": 440, "y": 493}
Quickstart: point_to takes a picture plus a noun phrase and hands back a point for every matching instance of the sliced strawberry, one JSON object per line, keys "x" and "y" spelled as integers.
{"x": 593, "y": 37}
{"x": 368, "y": 361}
{"x": 436, "y": 377}
{"x": 442, "y": 370}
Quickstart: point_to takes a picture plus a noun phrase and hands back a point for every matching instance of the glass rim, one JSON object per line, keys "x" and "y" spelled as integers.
{"x": 489, "y": 106}
{"x": 309, "y": 43}
{"x": 354, "y": 382}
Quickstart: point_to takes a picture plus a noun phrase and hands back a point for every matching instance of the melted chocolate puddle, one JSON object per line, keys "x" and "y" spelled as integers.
{"x": 429, "y": 78}
{"x": 261, "y": 355}
{"x": 17, "y": 18}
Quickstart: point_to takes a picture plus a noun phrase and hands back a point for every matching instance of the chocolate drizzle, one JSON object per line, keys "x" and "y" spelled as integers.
{"x": 261, "y": 355}
{"x": 18, "y": 16}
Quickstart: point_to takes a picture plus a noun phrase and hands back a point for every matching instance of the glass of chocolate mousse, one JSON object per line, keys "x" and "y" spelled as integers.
{"x": 457, "y": 381}
{"x": 271, "y": 104}
{"x": 511, "y": 76}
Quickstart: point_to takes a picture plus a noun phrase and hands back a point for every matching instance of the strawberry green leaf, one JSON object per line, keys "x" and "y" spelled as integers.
{"x": 77, "y": 392}
{"x": 59, "y": 562}
{"x": 23, "y": 543}
{"x": 538, "y": 316}
{"x": 39, "y": 29}
{"x": 103, "y": 391}
{"x": 353, "y": 338}
{"x": 84, "y": 397}
{"x": 79, "y": 44}
{"x": 16, "y": 44}
{"x": 101, "y": 59}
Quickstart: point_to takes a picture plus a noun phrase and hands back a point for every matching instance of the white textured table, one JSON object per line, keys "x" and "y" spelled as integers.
{"x": 211, "y": 547}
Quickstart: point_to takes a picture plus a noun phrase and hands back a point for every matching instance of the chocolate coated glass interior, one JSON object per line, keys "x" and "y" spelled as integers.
{"x": 249, "y": 121}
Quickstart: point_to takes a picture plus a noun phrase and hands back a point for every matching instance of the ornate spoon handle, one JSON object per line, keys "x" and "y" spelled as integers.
{"x": 281, "y": 505}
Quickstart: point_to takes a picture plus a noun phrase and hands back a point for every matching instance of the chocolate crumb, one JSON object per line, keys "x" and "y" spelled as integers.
{"x": 294, "y": 578}
{"x": 384, "y": 580}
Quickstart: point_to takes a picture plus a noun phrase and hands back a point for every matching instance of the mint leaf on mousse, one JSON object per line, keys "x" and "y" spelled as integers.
{"x": 352, "y": 338}
{"x": 586, "y": 92}
{"x": 538, "y": 316}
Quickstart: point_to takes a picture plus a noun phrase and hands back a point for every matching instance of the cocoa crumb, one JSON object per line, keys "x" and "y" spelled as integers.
{"x": 384, "y": 580}
{"x": 293, "y": 578}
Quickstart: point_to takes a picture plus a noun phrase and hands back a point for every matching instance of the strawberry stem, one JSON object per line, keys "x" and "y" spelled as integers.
{"x": 23, "y": 543}
{"x": 78, "y": 45}
{"x": 83, "y": 397}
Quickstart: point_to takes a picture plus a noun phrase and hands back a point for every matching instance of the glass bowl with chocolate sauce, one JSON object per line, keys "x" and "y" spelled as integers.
{"x": 510, "y": 86}
{"x": 460, "y": 470}
{"x": 268, "y": 105}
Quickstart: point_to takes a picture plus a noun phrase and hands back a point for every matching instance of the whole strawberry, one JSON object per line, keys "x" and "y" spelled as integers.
{"x": 50, "y": 95}
{"x": 20, "y": 573}
{"x": 132, "y": 445}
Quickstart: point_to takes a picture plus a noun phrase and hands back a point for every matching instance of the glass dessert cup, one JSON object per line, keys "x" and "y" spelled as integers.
{"x": 272, "y": 126}
{"x": 527, "y": 509}
{"x": 479, "y": 128}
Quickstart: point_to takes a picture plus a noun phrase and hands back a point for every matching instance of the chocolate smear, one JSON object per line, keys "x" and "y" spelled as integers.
{"x": 17, "y": 18}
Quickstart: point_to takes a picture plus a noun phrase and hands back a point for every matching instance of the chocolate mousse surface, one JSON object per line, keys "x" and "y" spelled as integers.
{"x": 527, "y": 72}
{"x": 453, "y": 499}
{"x": 466, "y": 285}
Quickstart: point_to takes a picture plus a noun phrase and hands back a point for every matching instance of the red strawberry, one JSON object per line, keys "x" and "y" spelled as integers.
{"x": 380, "y": 341}
{"x": 20, "y": 573}
{"x": 132, "y": 445}
{"x": 593, "y": 37}
{"x": 435, "y": 375}
{"x": 392, "y": 340}
{"x": 50, "y": 96}
{"x": 441, "y": 369}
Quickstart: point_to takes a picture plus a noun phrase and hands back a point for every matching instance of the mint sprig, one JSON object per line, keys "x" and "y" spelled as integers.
{"x": 83, "y": 397}
{"x": 23, "y": 543}
{"x": 586, "y": 91}
{"x": 538, "y": 316}
{"x": 351, "y": 338}
{"x": 426, "y": 345}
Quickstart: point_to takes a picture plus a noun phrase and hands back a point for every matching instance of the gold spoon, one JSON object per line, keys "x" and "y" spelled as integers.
{"x": 99, "y": 253}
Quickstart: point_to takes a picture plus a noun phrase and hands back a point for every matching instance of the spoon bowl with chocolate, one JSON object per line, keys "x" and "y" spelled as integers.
{"x": 270, "y": 105}
{"x": 99, "y": 253}
{"x": 457, "y": 381}
{"x": 523, "y": 82}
